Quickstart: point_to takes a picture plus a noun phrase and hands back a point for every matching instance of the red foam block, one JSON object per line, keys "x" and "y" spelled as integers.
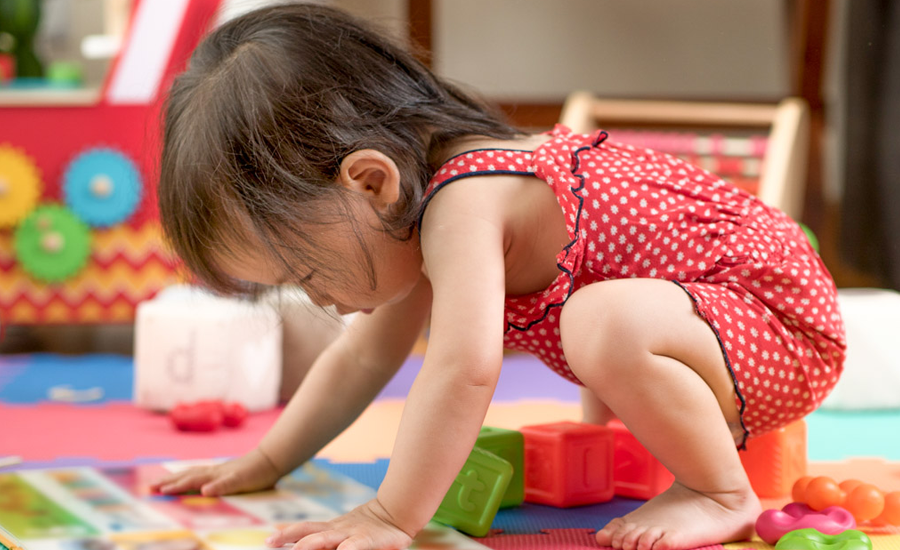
{"x": 568, "y": 464}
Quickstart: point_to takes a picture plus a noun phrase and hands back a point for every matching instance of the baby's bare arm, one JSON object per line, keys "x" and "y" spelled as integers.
{"x": 464, "y": 254}
{"x": 346, "y": 378}
{"x": 341, "y": 383}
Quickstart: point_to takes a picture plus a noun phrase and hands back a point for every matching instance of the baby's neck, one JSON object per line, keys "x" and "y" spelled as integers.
{"x": 528, "y": 142}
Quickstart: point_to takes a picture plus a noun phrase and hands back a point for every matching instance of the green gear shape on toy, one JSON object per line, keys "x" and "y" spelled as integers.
{"x": 20, "y": 185}
{"x": 52, "y": 244}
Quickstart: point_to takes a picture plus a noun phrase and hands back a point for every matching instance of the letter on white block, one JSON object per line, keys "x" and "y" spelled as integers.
{"x": 191, "y": 346}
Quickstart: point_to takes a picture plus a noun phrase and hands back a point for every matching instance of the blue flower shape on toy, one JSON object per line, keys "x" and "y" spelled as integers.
{"x": 102, "y": 186}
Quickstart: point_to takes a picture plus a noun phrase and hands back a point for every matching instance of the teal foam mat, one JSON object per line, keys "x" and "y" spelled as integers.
{"x": 838, "y": 435}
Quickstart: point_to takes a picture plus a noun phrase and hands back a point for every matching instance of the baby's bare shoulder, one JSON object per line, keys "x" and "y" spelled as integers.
{"x": 488, "y": 197}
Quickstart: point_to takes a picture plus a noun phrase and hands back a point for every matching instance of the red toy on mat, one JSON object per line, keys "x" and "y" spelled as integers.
{"x": 207, "y": 416}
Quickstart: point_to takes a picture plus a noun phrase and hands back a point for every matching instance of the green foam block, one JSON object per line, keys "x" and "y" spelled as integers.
{"x": 474, "y": 498}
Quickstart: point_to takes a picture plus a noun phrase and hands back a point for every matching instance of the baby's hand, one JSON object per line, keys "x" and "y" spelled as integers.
{"x": 367, "y": 527}
{"x": 251, "y": 472}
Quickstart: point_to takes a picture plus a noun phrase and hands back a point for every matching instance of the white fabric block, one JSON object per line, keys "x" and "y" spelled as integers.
{"x": 191, "y": 346}
{"x": 871, "y": 378}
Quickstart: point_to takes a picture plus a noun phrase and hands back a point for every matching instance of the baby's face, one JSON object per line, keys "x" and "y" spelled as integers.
{"x": 397, "y": 266}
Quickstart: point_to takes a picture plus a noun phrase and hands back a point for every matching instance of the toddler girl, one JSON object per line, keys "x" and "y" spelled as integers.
{"x": 300, "y": 147}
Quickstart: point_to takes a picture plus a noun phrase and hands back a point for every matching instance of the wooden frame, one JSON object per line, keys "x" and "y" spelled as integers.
{"x": 783, "y": 179}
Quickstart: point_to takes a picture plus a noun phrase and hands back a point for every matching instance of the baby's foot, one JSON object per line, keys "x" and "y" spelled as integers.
{"x": 681, "y": 518}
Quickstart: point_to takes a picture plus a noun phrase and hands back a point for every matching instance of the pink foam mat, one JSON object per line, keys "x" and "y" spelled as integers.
{"x": 552, "y": 539}
{"x": 116, "y": 431}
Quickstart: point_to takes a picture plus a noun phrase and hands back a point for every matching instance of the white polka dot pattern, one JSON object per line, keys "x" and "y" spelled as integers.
{"x": 750, "y": 271}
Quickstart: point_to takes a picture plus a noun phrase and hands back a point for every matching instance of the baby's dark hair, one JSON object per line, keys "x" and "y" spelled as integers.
{"x": 255, "y": 130}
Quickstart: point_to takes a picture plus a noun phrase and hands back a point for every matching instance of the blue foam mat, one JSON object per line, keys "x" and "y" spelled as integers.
{"x": 28, "y": 378}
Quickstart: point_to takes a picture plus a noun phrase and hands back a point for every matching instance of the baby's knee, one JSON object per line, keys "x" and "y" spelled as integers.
{"x": 599, "y": 334}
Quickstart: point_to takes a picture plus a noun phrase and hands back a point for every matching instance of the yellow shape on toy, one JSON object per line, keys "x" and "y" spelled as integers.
{"x": 240, "y": 537}
{"x": 20, "y": 185}
{"x": 200, "y": 502}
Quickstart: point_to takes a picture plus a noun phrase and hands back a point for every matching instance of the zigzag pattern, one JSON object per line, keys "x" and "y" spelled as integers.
{"x": 128, "y": 243}
{"x": 127, "y": 265}
{"x": 101, "y": 283}
{"x": 58, "y": 311}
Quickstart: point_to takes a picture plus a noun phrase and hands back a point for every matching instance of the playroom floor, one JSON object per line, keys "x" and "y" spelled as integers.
{"x": 46, "y": 430}
{"x": 109, "y": 430}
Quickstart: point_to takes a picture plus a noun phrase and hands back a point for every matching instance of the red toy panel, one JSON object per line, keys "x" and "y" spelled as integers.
{"x": 79, "y": 236}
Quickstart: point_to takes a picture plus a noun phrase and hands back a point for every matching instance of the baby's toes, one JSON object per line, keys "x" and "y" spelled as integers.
{"x": 649, "y": 538}
{"x": 622, "y": 533}
{"x": 604, "y": 536}
{"x": 632, "y": 536}
{"x": 666, "y": 540}
{"x": 618, "y": 538}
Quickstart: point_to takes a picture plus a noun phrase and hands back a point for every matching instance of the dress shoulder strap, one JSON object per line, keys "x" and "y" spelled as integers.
{"x": 478, "y": 162}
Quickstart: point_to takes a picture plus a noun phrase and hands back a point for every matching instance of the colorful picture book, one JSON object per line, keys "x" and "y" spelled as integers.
{"x": 113, "y": 509}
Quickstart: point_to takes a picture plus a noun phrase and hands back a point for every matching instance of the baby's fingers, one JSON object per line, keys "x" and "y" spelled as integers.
{"x": 356, "y": 542}
{"x": 187, "y": 481}
{"x": 226, "y": 484}
{"x": 321, "y": 540}
{"x": 295, "y": 532}
{"x": 154, "y": 486}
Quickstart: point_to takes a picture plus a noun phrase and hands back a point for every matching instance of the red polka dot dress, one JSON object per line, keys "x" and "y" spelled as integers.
{"x": 750, "y": 270}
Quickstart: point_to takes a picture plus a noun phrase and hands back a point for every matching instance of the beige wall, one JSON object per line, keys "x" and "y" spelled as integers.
{"x": 541, "y": 50}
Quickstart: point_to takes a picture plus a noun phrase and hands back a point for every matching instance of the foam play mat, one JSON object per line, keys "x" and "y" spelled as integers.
{"x": 86, "y": 451}
{"x": 109, "y": 507}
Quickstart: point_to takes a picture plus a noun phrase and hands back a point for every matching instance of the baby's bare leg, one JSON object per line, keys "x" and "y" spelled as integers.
{"x": 639, "y": 345}
{"x": 593, "y": 410}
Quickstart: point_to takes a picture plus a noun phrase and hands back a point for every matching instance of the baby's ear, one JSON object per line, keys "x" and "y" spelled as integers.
{"x": 373, "y": 174}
